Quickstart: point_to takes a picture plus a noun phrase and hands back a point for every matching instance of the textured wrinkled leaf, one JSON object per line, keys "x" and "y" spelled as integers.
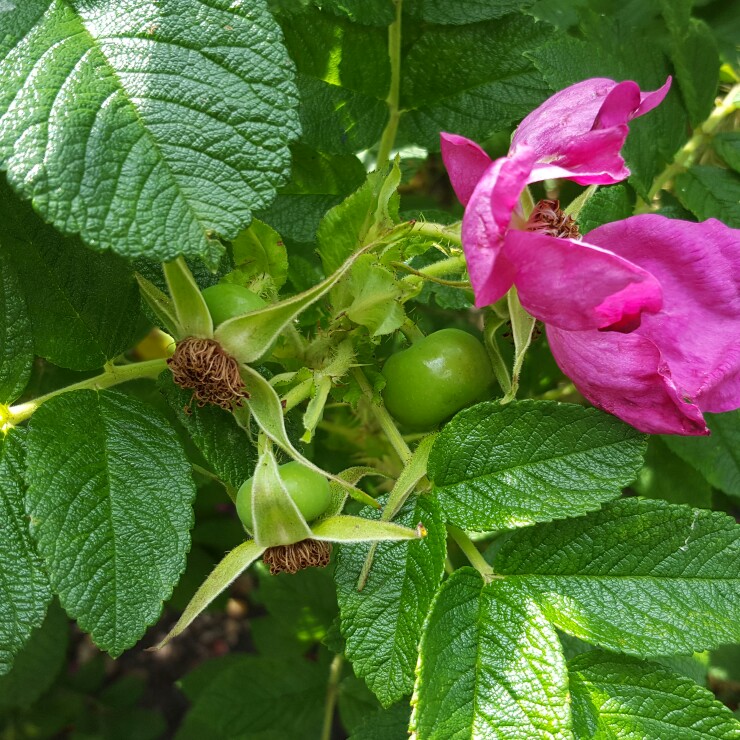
{"x": 615, "y": 696}
{"x": 369, "y": 12}
{"x": 144, "y": 126}
{"x": 641, "y": 577}
{"x": 24, "y": 585}
{"x": 497, "y": 467}
{"x": 490, "y": 666}
{"x": 385, "y": 724}
{"x": 471, "y": 80}
{"x": 606, "y": 205}
{"x": 222, "y": 576}
{"x": 16, "y": 334}
{"x": 258, "y": 251}
{"x": 223, "y": 443}
{"x": 710, "y": 192}
{"x": 462, "y": 11}
{"x": 382, "y": 623}
{"x": 84, "y": 307}
{"x": 256, "y": 697}
{"x": 38, "y": 664}
{"x": 110, "y": 494}
{"x": 716, "y": 457}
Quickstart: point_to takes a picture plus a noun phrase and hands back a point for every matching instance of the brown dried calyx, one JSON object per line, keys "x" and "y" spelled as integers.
{"x": 547, "y": 218}
{"x": 292, "y": 558}
{"x": 203, "y": 366}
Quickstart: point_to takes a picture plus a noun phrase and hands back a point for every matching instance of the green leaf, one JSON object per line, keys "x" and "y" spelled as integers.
{"x": 716, "y": 457}
{"x": 259, "y": 251}
{"x": 382, "y": 623}
{"x": 462, "y": 11}
{"x": 356, "y": 704}
{"x": 110, "y": 494}
{"x": 640, "y": 577}
{"x": 620, "y": 52}
{"x": 710, "y": 192}
{"x": 84, "y": 307}
{"x": 260, "y": 698}
{"x": 494, "y": 87}
{"x": 727, "y": 145}
{"x": 369, "y": 12}
{"x": 318, "y": 172}
{"x": 222, "y": 442}
{"x": 16, "y": 334}
{"x": 38, "y": 664}
{"x": 24, "y": 586}
{"x": 385, "y": 724}
{"x": 604, "y": 206}
{"x": 668, "y": 477}
{"x": 490, "y": 666}
{"x": 497, "y": 467}
{"x": 161, "y": 306}
{"x": 146, "y": 127}
{"x": 615, "y": 696}
{"x": 350, "y": 225}
{"x": 223, "y": 575}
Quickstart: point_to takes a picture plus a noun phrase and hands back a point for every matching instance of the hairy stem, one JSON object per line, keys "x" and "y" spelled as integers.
{"x": 439, "y": 232}
{"x": 471, "y": 552}
{"x": 394, "y": 113}
{"x": 332, "y": 692}
{"x": 384, "y": 418}
{"x": 113, "y": 375}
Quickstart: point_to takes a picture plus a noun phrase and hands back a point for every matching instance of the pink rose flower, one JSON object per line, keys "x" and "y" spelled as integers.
{"x": 565, "y": 282}
{"x": 682, "y": 360}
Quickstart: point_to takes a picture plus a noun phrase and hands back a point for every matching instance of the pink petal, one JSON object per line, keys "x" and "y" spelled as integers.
{"x": 569, "y": 131}
{"x": 487, "y": 218}
{"x": 577, "y": 286}
{"x": 698, "y": 330}
{"x": 465, "y": 162}
{"x": 624, "y": 375}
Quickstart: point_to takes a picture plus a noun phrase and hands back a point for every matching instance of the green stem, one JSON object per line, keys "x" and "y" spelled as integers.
{"x": 384, "y": 418}
{"x": 449, "y": 283}
{"x": 438, "y": 232}
{"x": 394, "y": 113}
{"x": 230, "y": 490}
{"x": 113, "y": 375}
{"x": 701, "y": 137}
{"x": 332, "y": 692}
{"x": 471, "y": 552}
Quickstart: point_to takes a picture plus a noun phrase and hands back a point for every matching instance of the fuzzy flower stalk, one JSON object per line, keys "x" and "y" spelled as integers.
{"x": 641, "y": 314}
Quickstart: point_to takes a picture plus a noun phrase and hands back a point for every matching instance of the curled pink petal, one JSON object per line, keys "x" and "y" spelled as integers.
{"x": 486, "y": 222}
{"x": 577, "y": 286}
{"x": 465, "y": 162}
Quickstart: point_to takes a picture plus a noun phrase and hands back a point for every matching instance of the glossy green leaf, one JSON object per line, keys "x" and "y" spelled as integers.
{"x": 490, "y": 666}
{"x": 710, "y": 192}
{"x": 615, "y": 696}
{"x": 497, "y": 467}
{"x": 16, "y": 333}
{"x": 24, "y": 585}
{"x": 190, "y": 307}
{"x": 382, "y": 623}
{"x": 110, "y": 494}
{"x": 145, "y": 126}
{"x": 716, "y": 457}
{"x": 223, "y": 575}
{"x": 223, "y": 443}
{"x": 495, "y": 85}
{"x": 641, "y": 577}
{"x": 84, "y": 307}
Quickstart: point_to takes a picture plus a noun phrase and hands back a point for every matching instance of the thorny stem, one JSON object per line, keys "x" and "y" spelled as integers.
{"x": 332, "y": 691}
{"x": 394, "y": 112}
{"x": 113, "y": 375}
{"x": 471, "y": 552}
{"x": 383, "y": 417}
{"x": 687, "y": 153}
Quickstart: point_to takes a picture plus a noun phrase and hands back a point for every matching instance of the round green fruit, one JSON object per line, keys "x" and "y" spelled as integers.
{"x": 436, "y": 377}
{"x": 308, "y": 489}
{"x": 226, "y": 300}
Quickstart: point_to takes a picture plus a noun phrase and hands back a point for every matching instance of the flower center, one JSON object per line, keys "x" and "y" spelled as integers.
{"x": 292, "y": 558}
{"x": 202, "y": 365}
{"x": 548, "y": 218}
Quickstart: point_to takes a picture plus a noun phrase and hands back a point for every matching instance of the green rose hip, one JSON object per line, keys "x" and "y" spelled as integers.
{"x": 226, "y": 300}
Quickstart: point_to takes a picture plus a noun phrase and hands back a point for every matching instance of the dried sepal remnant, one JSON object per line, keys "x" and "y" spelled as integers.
{"x": 548, "y": 218}
{"x": 298, "y": 556}
{"x": 203, "y": 366}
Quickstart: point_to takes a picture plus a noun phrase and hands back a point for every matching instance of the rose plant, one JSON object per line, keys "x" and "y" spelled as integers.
{"x": 429, "y": 445}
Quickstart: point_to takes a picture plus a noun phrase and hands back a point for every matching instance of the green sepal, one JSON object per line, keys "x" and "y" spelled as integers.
{"x": 344, "y": 528}
{"x": 222, "y": 576}
{"x": 191, "y": 310}
{"x": 276, "y": 518}
{"x": 266, "y": 409}
{"x": 339, "y": 493}
{"x": 248, "y": 337}
{"x": 161, "y": 304}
